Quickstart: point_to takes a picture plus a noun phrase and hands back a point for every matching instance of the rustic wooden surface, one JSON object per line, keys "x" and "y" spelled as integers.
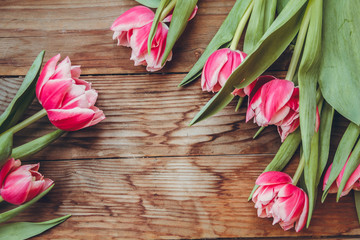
{"x": 143, "y": 173}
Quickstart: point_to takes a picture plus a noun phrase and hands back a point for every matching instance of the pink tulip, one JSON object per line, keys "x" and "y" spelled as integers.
{"x": 277, "y": 197}
{"x": 69, "y": 101}
{"x": 352, "y": 183}
{"x": 132, "y": 29}
{"x": 218, "y": 69}
{"x": 276, "y": 101}
{"x": 20, "y": 184}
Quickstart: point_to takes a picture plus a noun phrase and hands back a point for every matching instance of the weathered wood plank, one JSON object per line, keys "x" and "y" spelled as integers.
{"x": 170, "y": 198}
{"x": 148, "y": 115}
{"x": 80, "y": 29}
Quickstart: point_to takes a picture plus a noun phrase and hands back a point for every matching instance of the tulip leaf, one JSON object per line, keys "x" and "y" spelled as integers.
{"x": 353, "y": 163}
{"x": 23, "y": 97}
{"x": 182, "y": 12}
{"x": 262, "y": 17}
{"x": 326, "y": 119}
{"x": 149, "y": 3}
{"x": 308, "y": 74}
{"x": 155, "y": 23}
{"x": 221, "y": 39}
{"x": 357, "y": 204}
{"x": 343, "y": 151}
{"x": 28, "y": 149}
{"x": 281, "y": 5}
{"x": 310, "y": 174}
{"x": 340, "y": 63}
{"x": 6, "y": 144}
{"x": 25, "y": 230}
{"x": 283, "y": 156}
{"x": 270, "y": 47}
{"x": 5, "y": 216}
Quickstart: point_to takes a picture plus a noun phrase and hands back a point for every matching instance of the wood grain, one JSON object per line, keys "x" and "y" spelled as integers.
{"x": 170, "y": 198}
{"x": 80, "y": 30}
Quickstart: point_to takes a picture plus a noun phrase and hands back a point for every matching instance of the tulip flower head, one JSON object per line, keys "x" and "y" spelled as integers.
{"x": 68, "y": 101}
{"x": 278, "y": 198}
{"x": 132, "y": 29}
{"x": 20, "y": 184}
{"x": 218, "y": 69}
{"x": 274, "y": 101}
{"x": 352, "y": 183}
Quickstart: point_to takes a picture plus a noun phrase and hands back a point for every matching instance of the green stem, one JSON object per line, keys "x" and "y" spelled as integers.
{"x": 28, "y": 121}
{"x": 298, "y": 46}
{"x": 258, "y": 132}
{"x": 1, "y": 199}
{"x": 167, "y": 10}
{"x": 240, "y": 101}
{"x": 299, "y": 170}
{"x": 241, "y": 26}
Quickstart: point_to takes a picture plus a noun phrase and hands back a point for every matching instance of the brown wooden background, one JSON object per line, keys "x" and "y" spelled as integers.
{"x": 143, "y": 173}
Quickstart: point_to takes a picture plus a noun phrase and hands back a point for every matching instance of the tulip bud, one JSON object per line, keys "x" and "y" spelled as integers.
{"x": 20, "y": 184}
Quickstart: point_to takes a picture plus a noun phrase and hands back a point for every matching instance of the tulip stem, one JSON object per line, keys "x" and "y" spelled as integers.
{"x": 299, "y": 170}
{"x": 1, "y": 199}
{"x": 167, "y": 10}
{"x": 238, "y": 105}
{"x": 258, "y": 132}
{"x": 298, "y": 46}
{"x": 28, "y": 121}
{"x": 241, "y": 26}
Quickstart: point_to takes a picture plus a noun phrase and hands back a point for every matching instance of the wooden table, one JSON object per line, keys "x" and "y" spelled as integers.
{"x": 143, "y": 173}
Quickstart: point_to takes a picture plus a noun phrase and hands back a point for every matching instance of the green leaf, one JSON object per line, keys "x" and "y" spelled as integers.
{"x": 5, "y": 216}
{"x": 343, "y": 151}
{"x": 326, "y": 119}
{"x": 357, "y": 204}
{"x": 23, "y": 97}
{"x": 353, "y": 163}
{"x": 28, "y": 149}
{"x": 261, "y": 18}
{"x": 310, "y": 174}
{"x": 25, "y": 230}
{"x": 281, "y": 5}
{"x": 272, "y": 44}
{"x": 6, "y": 144}
{"x": 340, "y": 62}
{"x": 149, "y": 3}
{"x": 156, "y": 21}
{"x": 308, "y": 74}
{"x": 221, "y": 39}
{"x": 283, "y": 156}
{"x": 179, "y": 20}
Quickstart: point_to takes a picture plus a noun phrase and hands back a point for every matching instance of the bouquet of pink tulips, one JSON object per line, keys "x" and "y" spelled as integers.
{"x": 323, "y": 76}
{"x": 69, "y": 103}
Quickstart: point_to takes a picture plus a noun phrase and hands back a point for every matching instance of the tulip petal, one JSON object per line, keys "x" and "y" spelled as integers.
{"x": 71, "y": 119}
{"x": 53, "y": 93}
{"x": 273, "y": 177}
{"x": 135, "y": 17}
{"x": 9, "y": 166}
{"x": 75, "y": 71}
{"x": 63, "y": 70}
{"x": 47, "y": 71}
{"x": 275, "y": 94}
{"x": 300, "y": 224}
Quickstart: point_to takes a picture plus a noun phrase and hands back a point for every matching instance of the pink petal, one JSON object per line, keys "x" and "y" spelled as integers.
{"x": 300, "y": 224}
{"x": 53, "y": 93}
{"x": 135, "y": 17}
{"x": 63, "y": 70}
{"x": 71, "y": 119}
{"x": 273, "y": 177}
{"x": 47, "y": 71}
{"x": 333, "y": 188}
{"x": 275, "y": 94}
{"x": 75, "y": 71}
{"x": 8, "y": 167}
{"x": 212, "y": 68}
{"x": 138, "y": 43}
